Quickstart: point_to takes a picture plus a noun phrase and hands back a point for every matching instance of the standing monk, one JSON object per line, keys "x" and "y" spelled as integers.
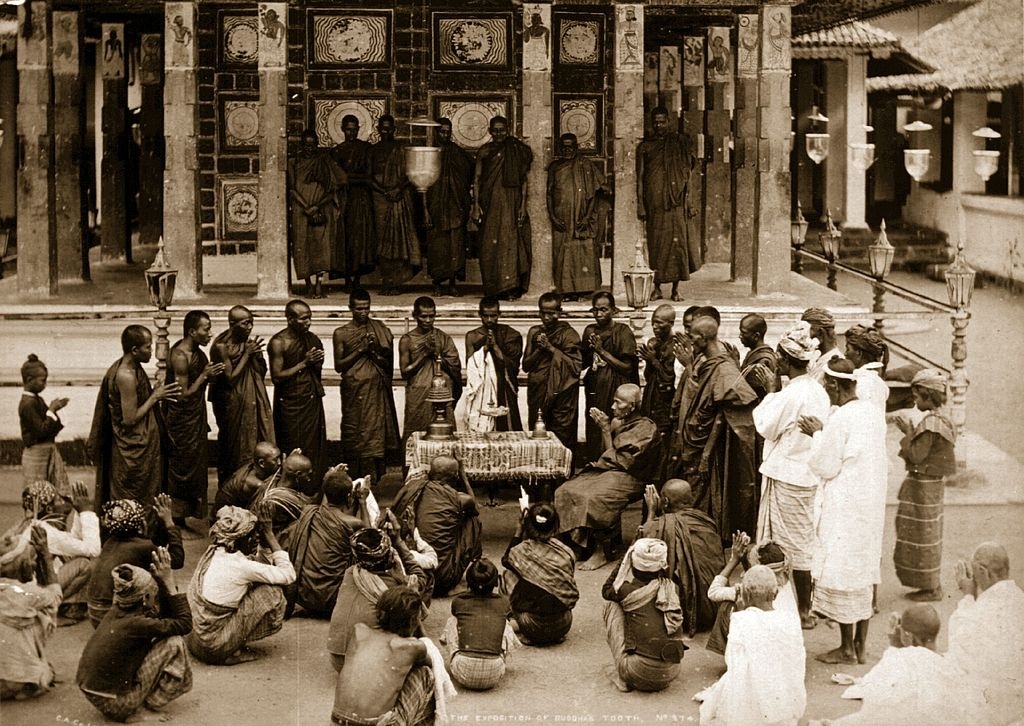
{"x": 503, "y": 346}
{"x": 718, "y": 435}
{"x": 448, "y": 200}
{"x": 125, "y": 436}
{"x": 499, "y": 194}
{"x": 753, "y": 328}
{"x": 663, "y": 166}
{"x": 314, "y": 179}
{"x": 187, "y": 459}
{"x": 356, "y": 245}
{"x": 239, "y": 397}
{"x": 364, "y": 355}
{"x": 392, "y": 206}
{"x": 418, "y": 350}
{"x": 553, "y": 362}
{"x": 609, "y": 359}
{"x": 573, "y": 184}
{"x": 296, "y": 362}
{"x": 660, "y": 371}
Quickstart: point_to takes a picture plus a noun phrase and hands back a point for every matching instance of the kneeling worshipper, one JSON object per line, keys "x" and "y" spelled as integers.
{"x": 318, "y": 542}
{"x": 478, "y": 636}
{"x": 539, "y": 578}
{"x": 242, "y": 486}
{"x": 694, "y": 549}
{"x": 764, "y": 683}
{"x": 380, "y": 563}
{"x": 913, "y": 685}
{"x": 392, "y": 677}
{"x": 236, "y": 598}
{"x": 29, "y": 597}
{"x": 124, "y": 521}
{"x": 591, "y": 503}
{"x": 445, "y": 513}
{"x": 136, "y": 657}
{"x": 643, "y": 619}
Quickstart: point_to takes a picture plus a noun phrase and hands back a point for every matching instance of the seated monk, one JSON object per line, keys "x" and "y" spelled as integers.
{"x": 389, "y": 676}
{"x": 236, "y": 598}
{"x": 241, "y": 487}
{"x": 380, "y": 563}
{"x": 318, "y": 543}
{"x": 29, "y": 597}
{"x": 281, "y": 498}
{"x": 591, "y": 503}
{"x": 539, "y": 577}
{"x": 643, "y": 619}
{"x": 694, "y": 549}
{"x": 445, "y": 513}
{"x": 137, "y": 656}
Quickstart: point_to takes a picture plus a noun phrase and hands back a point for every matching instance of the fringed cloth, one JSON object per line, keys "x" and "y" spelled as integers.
{"x": 164, "y": 675}
{"x": 787, "y": 518}
{"x": 918, "y": 554}
{"x": 843, "y": 606}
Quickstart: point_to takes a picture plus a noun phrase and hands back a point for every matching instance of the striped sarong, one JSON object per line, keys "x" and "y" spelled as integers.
{"x": 165, "y": 674}
{"x": 786, "y": 517}
{"x": 843, "y": 606}
{"x": 918, "y": 553}
{"x": 414, "y": 705}
{"x": 43, "y": 462}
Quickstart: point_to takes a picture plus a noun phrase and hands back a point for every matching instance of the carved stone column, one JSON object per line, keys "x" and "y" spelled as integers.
{"x": 272, "y": 263}
{"x": 67, "y": 148}
{"x": 744, "y": 206}
{"x": 718, "y": 172}
{"x": 115, "y": 240}
{"x": 537, "y": 133}
{"x": 181, "y": 167}
{"x": 692, "y": 120}
{"x": 151, "y": 151}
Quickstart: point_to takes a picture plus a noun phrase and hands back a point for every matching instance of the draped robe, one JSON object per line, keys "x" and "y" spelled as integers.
{"x": 553, "y": 384}
{"x": 369, "y": 420}
{"x": 667, "y": 162}
{"x": 187, "y": 429}
{"x": 506, "y": 372}
{"x": 602, "y": 379}
{"x": 656, "y": 403}
{"x": 314, "y": 179}
{"x": 355, "y": 248}
{"x": 573, "y": 185}
{"x": 298, "y": 401}
{"x": 396, "y": 229}
{"x": 505, "y": 245}
{"x": 448, "y": 200}
{"x": 318, "y": 545}
{"x": 418, "y": 411}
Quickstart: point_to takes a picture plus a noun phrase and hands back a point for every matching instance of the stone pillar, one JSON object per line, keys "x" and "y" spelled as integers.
{"x": 181, "y": 166}
{"x": 744, "y": 165}
{"x": 151, "y": 143}
{"x": 857, "y": 117}
{"x": 37, "y": 243}
{"x": 114, "y": 236}
{"x": 628, "y": 121}
{"x": 67, "y": 148}
{"x": 538, "y": 134}
{"x": 772, "y": 246}
{"x": 718, "y": 175}
{"x": 272, "y": 225}
{"x": 837, "y": 173}
{"x": 692, "y": 117}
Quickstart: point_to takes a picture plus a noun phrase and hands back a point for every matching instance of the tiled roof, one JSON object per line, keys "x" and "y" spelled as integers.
{"x": 856, "y": 34}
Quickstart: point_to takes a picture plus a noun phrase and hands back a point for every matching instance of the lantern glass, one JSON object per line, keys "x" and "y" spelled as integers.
{"x": 638, "y": 279}
{"x": 880, "y": 255}
{"x": 160, "y": 279}
{"x": 916, "y": 161}
{"x": 986, "y": 163}
{"x": 423, "y": 166}
{"x": 862, "y": 156}
{"x": 830, "y": 238}
{"x": 798, "y": 229}
{"x": 960, "y": 280}
{"x": 817, "y": 146}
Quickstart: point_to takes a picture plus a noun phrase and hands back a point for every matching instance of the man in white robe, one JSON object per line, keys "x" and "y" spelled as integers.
{"x": 848, "y": 454}
{"x": 788, "y": 490}
{"x": 477, "y": 408}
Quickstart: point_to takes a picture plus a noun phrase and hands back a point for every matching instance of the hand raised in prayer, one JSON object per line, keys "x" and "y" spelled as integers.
{"x": 161, "y": 566}
{"x": 57, "y": 404}
{"x": 213, "y": 370}
{"x": 314, "y": 356}
{"x": 599, "y": 417}
{"x": 740, "y": 545}
{"x": 163, "y": 391}
{"x": 254, "y": 345}
{"x": 162, "y": 508}
{"x": 80, "y": 498}
{"x": 647, "y": 352}
{"x": 682, "y": 349}
{"x": 965, "y": 578}
{"x": 653, "y": 500}
{"x": 762, "y": 377}
{"x": 39, "y": 542}
{"x": 542, "y": 341}
{"x": 895, "y": 632}
{"x": 809, "y": 424}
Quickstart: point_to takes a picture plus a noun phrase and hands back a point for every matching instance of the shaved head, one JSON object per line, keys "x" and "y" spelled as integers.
{"x": 706, "y": 327}
{"x": 295, "y": 309}
{"x": 921, "y": 621}
{"x": 677, "y": 494}
{"x": 266, "y": 450}
{"x": 665, "y": 312}
{"x": 297, "y": 462}
{"x": 444, "y": 468}
{"x": 629, "y": 392}
{"x": 239, "y": 313}
{"x": 992, "y": 556}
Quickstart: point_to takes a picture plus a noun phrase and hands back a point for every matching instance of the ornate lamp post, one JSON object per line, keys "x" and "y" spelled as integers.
{"x": 959, "y": 288}
{"x": 423, "y": 167}
{"x": 797, "y": 236}
{"x": 160, "y": 279}
{"x": 880, "y": 256}
{"x": 638, "y": 280}
{"x": 830, "y": 240}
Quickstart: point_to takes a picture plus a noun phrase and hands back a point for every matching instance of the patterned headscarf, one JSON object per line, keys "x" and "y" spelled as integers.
{"x": 133, "y": 586}
{"x": 232, "y": 524}
{"x": 820, "y": 317}
{"x": 372, "y": 549}
{"x": 869, "y": 341}
{"x": 930, "y": 378}
{"x": 798, "y": 344}
{"x": 39, "y": 497}
{"x": 124, "y": 518}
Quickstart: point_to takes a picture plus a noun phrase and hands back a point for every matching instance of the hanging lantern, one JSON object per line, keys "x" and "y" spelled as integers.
{"x": 862, "y": 156}
{"x": 423, "y": 166}
{"x": 817, "y": 147}
{"x": 160, "y": 279}
{"x": 880, "y": 255}
{"x": 916, "y": 161}
{"x": 986, "y": 162}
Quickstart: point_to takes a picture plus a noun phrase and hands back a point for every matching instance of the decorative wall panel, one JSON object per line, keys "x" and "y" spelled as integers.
{"x": 349, "y": 38}
{"x": 580, "y": 115}
{"x": 239, "y": 122}
{"x": 239, "y": 39}
{"x": 327, "y": 111}
{"x": 480, "y": 42}
{"x": 238, "y": 205}
{"x": 580, "y": 40}
{"x": 471, "y": 116}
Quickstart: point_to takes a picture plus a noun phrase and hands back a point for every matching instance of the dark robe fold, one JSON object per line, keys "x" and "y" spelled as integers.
{"x": 511, "y": 343}
{"x": 505, "y": 245}
{"x": 299, "y": 420}
{"x": 314, "y": 179}
{"x": 695, "y": 556}
{"x": 448, "y": 200}
{"x": 318, "y": 545}
{"x": 667, "y": 162}
{"x": 765, "y": 356}
{"x": 187, "y": 430}
{"x": 656, "y": 403}
{"x": 355, "y": 250}
{"x": 399, "y": 248}
{"x": 418, "y": 411}
{"x": 601, "y": 378}
{"x": 553, "y": 383}
{"x": 369, "y": 420}
{"x": 573, "y": 185}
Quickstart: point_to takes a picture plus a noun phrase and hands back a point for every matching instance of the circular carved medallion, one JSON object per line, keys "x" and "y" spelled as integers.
{"x": 579, "y": 43}
{"x": 242, "y": 209}
{"x": 471, "y": 42}
{"x": 241, "y": 42}
{"x": 242, "y": 123}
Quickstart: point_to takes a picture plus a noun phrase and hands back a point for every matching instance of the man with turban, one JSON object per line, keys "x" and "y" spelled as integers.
{"x": 236, "y": 598}
{"x": 823, "y": 327}
{"x": 29, "y": 597}
{"x": 643, "y": 619}
{"x": 789, "y": 489}
{"x": 137, "y": 656}
{"x": 380, "y": 563}
{"x": 124, "y": 521}
{"x": 868, "y": 351}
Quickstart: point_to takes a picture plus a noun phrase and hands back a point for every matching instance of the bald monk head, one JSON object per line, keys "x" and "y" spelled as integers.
{"x": 626, "y": 400}
{"x": 444, "y": 469}
{"x": 662, "y": 320}
{"x": 989, "y": 564}
{"x": 296, "y": 468}
{"x": 919, "y": 625}
{"x": 677, "y": 495}
{"x": 704, "y": 334}
{"x": 266, "y": 458}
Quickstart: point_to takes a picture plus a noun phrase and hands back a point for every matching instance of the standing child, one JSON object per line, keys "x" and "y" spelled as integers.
{"x": 40, "y": 425}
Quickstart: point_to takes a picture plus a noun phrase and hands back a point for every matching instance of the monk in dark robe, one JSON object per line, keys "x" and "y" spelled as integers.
{"x": 239, "y": 396}
{"x": 423, "y": 352}
{"x": 392, "y": 204}
{"x": 504, "y": 345}
{"x": 753, "y": 328}
{"x": 187, "y": 428}
{"x": 660, "y": 372}
{"x": 499, "y": 191}
{"x": 356, "y": 246}
{"x": 448, "y": 201}
{"x": 717, "y": 443}
{"x": 318, "y": 543}
{"x": 591, "y": 503}
{"x": 573, "y": 185}
{"x": 296, "y": 362}
{"x": 695, "y": 552}
{"x": 126, "y": 426}
{"x": 242, "y": 486}
{"x": 553, "y": 362}
{"x": 663, "y": 166}
{"x": 364, "y": 355}
{"x": 445, "y": 513}
{"x": 609, "y": 359}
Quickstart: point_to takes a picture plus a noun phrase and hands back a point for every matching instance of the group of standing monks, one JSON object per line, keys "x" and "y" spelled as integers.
{"x": 353, "y": 211}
